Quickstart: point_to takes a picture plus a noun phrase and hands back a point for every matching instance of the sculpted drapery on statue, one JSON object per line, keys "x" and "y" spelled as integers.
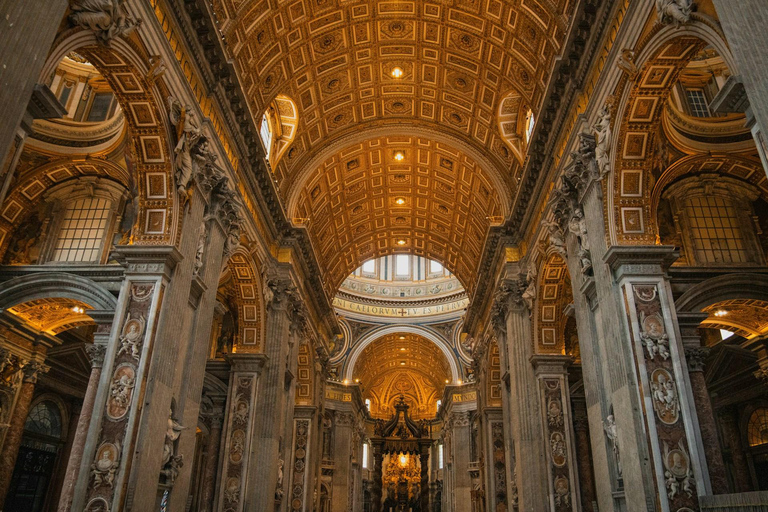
{"x": 674, "y": 11}
{"x": 106, "y": 18}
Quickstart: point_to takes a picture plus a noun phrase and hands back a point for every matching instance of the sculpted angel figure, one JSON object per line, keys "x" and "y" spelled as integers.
{"x": 677, "y": 11}
{"x": 556, "y": 238}
{"x": 106, "y": 18}
{"x": 172, "y": 433}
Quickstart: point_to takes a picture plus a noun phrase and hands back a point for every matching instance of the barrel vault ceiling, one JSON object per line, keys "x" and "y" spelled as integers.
{"x": 470, "y": 72}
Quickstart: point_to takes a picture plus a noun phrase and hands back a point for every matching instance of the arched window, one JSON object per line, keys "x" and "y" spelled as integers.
{"x": 757, "y": 427}
{"x": 266, "y": 134}
{"x": 83, "y": 226}
{"x": 530, "y": 123}
{"x": 44, "y": 419}
{"x": 368, "y": 404}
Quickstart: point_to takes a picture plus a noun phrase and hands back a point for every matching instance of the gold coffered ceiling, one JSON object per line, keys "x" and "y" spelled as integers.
{"x": 363, "y": 203}
{"x": 413, "y": 366}
{"x": 462, "y": 61}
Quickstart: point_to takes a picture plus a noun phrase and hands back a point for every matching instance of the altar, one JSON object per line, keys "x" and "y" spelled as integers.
{"x": 401, "y": 463}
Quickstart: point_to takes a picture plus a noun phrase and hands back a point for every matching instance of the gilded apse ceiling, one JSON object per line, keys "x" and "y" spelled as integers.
{"x": 458, "y": 75}
{"x": 402, "y": 364}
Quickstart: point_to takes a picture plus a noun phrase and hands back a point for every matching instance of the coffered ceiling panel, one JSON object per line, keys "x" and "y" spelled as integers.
{"x": 398, "y": 194}
{"x": 356, "y": 64}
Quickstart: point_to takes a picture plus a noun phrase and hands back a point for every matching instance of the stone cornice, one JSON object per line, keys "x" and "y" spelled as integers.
{"x": 566, "y": 81}
{"x": 218, "y": 73}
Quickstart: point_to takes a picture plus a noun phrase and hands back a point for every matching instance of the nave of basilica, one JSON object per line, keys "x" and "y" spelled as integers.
{"x": 384, "y": 256}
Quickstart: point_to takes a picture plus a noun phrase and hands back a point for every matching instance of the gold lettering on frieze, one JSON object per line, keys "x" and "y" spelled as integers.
{"x": 401, "y": 312}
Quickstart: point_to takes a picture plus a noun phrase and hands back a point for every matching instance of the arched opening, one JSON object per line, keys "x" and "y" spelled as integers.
{"x": 39, "y": 454}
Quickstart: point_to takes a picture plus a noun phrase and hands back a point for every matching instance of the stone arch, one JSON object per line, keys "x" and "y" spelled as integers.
{"x": 23, "y": 198}
{"x": 553, "y": 294}
{"x": 660, "y": 57}
{"x": 721, "y": 288}
{"x": 375, "y": 334}
{"x": 125, "y": 66}
{"x": 247, "y": 285}
{"x": 61, "y": 285}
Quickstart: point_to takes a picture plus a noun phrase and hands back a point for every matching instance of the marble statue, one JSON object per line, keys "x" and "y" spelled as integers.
{"x": 106, "y": 18}
{"x": 674, "y": 11}
{"x": 189, "y": 135}
{"x": 612, "y": 432}
{"x": 604, "y": 134}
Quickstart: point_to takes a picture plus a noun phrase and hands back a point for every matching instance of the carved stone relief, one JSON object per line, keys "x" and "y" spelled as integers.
{"x": 654, "y": 351}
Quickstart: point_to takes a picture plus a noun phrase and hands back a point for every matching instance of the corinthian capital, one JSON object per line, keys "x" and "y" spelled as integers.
{"x": 279, "y": 290}
{"x": 32, "y": 371}
{"x": 96, "y": 353}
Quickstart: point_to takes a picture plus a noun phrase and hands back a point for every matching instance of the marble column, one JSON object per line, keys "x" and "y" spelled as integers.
{"x": 378, "y": 474}
{"x": 31, "y": 370}
{"x": 28, "y": 30}
{"x": 343, "y": 424}
{"x": 269, "y": 424}
{"x": 695, "y": 356}
{"x": 96, "y": 353}
{"x": 424, "y": 464}
{"x": 526, "y": 412}
{"x": 584, "y": 456}
{"x": 729, "y": 422}
{"x": 242, "y": 402}
{"x": 461, "y": 440}
{"x": 552, "y": 375}
{"x": 211, "y": 463}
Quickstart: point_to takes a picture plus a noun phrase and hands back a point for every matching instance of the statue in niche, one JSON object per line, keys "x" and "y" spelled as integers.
{"x": 200, "y": 251}
{"x": 529, "y": 295}
{"x": 106, "y": 18}
{"x": 279, "y": 488}
{"x": 602, "y": 128}
{"x": 612, "y": 432}
{"x": 172, "y": 462}
{"x": 578, "y": 226}
{"x": 674, "y": 11}
{"x": 225, "y": 341}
